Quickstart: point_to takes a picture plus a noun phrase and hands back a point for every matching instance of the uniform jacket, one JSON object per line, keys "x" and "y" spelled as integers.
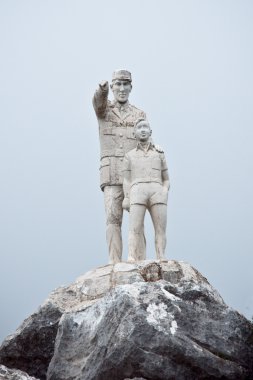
{"x": 116, "y": 127}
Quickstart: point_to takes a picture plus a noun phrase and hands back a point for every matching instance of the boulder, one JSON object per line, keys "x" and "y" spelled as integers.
{"x": 144, "y": 320}
{"x": 154, "y": 331}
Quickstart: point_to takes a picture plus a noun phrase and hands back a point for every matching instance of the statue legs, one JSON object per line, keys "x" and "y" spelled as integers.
{"x": 158, "y": 214}
{"x": 136, "y": 243}
{"x": 113, "y": 197}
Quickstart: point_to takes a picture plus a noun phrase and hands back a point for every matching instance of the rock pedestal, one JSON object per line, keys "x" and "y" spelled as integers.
{"x": 147, "y": 320}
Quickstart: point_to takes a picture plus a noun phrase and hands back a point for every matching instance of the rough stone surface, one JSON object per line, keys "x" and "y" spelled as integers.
{"x": 123, "y": 322}
{"x": 153, "y": 330}
{"x": 13, "y": 374}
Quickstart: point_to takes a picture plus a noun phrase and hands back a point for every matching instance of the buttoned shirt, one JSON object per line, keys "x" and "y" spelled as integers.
{"x": 145, "y": 164}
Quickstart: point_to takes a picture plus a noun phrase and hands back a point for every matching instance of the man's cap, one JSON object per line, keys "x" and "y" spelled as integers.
{"x": 122, "y": 75}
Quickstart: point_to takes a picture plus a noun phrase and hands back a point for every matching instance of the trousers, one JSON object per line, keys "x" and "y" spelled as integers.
{"x": 149, "y": 196}
{"x": 158, "y": 214}
{"x": 113, "y": 198}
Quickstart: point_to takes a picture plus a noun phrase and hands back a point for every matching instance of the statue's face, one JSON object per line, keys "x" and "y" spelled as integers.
{"x": 121, "y": 90}
{"x": 142, "y": 131}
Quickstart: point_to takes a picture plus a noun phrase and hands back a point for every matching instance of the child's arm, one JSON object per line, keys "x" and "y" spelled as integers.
{"x": 165, "y": 174}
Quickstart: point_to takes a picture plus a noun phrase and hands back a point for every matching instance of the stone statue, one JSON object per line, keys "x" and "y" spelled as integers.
{"x": 116, "y": 131}
{"x": 146, "y": 185}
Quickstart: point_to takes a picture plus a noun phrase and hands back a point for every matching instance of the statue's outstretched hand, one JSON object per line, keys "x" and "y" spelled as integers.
{"x": 104, "y": 85}
{"x": 126, "y": 204}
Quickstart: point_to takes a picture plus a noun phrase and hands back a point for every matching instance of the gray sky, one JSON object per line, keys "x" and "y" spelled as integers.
{"x": 191, "y": 63}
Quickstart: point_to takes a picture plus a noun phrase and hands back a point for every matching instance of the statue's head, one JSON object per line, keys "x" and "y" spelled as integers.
{"x": 121, "y": 85}
{"x": 142, "y": 130}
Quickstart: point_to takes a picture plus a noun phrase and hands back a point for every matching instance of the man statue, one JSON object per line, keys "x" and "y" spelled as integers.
{"x": 146, "y": 186}
{"x": 116, "y": 131}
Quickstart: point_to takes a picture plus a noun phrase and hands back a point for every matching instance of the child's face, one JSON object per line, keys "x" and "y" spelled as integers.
{"x": 142, "y": 131}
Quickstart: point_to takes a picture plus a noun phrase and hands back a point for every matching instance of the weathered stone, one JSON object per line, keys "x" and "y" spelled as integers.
{"x": 91, "y": 289}
{"x": 98, "y": 272}
{"x": 13, "y": 374}
{"x": 31, "y": 347}
{"x": 146, "y": 325}
{"x": 154, "y": 330}
{"x": 152, "y": 272}
{"x": 124, "y": 267}
{"x": 116, "y": 125}
{"x": 146, "y": 185}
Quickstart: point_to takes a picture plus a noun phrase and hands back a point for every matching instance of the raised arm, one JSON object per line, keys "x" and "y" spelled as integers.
{"x": 100, "y": 98}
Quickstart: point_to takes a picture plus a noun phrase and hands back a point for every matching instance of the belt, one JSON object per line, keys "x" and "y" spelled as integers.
{"x": 146, "y": 180}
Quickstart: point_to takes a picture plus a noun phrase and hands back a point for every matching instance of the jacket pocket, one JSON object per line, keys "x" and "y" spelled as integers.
{"x": 156, "y": 164}
{"x": 130, "y": 133}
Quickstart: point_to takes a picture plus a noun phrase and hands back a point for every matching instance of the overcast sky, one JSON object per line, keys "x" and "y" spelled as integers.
{"x": 191, "y": 63}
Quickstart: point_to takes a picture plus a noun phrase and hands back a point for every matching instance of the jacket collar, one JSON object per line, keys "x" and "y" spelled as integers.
{"x": 150, "y": 146}
{"x": 117, "y": 108}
